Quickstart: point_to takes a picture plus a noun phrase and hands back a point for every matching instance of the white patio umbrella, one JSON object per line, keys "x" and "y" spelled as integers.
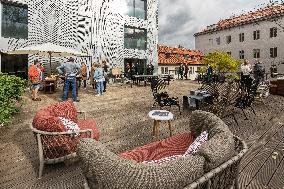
{"x": 48, "y": 49}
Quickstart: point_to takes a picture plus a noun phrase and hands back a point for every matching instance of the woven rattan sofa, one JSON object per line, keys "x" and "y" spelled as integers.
{"x": 55, "y": 142}
{"x": 215, "y": 165}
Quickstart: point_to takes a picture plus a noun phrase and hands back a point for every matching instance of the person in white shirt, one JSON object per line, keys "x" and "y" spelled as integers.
{"x": 245, "y": 75}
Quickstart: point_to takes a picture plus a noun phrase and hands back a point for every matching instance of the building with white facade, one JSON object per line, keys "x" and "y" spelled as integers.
{"x": 119, "y": 31}
{"x": 255, "y": 35}
{"x": 170, "y": 58}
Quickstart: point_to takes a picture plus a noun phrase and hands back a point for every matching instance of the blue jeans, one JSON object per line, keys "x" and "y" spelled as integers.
{"x": 100, "y": 87}
{"x": 66, "y": 86}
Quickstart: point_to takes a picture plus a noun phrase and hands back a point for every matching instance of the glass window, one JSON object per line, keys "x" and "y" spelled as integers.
{"x": 166, "y": 70}
{"x": 168, "y": 55}
{"x": 14, "y": 21}
{"x": 218, "y": 40}
{"x": 241, "y": 37}
{"x": 15, "y": 65}
{"x": 273, "y": 32}
{"x": 229, "y": 53}
{"x": 162, "y": 70}
{"x": 242, "y": 54}
{"x": 273, "y": 52}
{"x": 256, "y": 35}
{"x": 137, "y": 8}
{"x": 228, "y": 39}
{"x": 135, "y": 38}
{"x": 256, "y": 53}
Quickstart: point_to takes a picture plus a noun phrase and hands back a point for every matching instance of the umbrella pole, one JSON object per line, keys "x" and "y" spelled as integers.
{"x": 49, "y": 63}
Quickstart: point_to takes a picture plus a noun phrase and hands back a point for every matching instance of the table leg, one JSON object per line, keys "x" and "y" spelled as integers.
{"x": 170, "y": 127}
{"x": 157, "y": 128}
{"x": 154, "y": 128}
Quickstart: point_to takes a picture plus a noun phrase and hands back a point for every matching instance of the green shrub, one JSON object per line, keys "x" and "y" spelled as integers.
{"x": 11, "y": 89}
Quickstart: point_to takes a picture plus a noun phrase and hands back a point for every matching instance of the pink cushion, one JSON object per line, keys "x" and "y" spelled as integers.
{"x": 44, "y": 121}
{"x": 90, "y": 124}
{"x": 175, "y": 145}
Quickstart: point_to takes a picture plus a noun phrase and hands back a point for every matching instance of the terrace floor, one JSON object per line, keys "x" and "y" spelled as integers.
{"x": 121, "y": 116}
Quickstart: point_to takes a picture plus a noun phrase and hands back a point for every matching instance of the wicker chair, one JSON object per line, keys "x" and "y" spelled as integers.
{"x": 55, "y": 142}
{"x": 223, "y": 175}
{"x": 55, "y": 147}
{"x": 214, "y": 166}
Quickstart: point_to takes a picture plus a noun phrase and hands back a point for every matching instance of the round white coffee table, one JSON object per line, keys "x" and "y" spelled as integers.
{"x": 158, "y": 116}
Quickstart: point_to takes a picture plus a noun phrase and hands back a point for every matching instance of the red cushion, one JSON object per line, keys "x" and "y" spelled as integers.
{"x": 90, "y": 124}
{"x": 44, "y": 121}
{"x": 175, "y": 145}
{"x": 64, "y": 109}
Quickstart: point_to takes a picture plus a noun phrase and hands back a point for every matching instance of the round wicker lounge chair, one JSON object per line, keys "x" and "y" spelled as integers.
{"x": 214, "y": 166}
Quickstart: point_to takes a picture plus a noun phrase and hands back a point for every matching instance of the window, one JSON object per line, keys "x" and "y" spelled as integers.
{"x": 162, "y": 70}
{"x": 218, "y": 40}
{"x": 210, "y": 41}
{"x": 228, "y": 39}
{"x": 256, "y": 35}
{"x": 241, "y": 37}
{"x": 15, "y": 65}
{"x": 14, "y": 21}
{"x": 273, "y": 32}
{"x": 242, "y": 54}
{"x": 186, "y": 56}
{"x": 167, "y": 55}
{"x": 256, "y": 53}
{"x": 229, "y": 53}
{"x": 166, "y": 70}
{"x": 137, "y": 8}
{"x": 135, "y": 38}
{"x": 177, "y": 55}
{"x": 273, "y": 52}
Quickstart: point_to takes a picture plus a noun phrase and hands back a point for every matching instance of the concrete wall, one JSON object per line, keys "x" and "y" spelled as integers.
{"x": 203, "y": 44}
{"x": 173, "y": 70}
{"x": 96, "y": 27}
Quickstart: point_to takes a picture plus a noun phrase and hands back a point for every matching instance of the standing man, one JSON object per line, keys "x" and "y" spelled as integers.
{"x": 34, "y": 76}
{"x": 245, "y": 75}
{"x": 181, "y": 69}
{"x": 70, "y": 70}
{"x": 186, "y": 69}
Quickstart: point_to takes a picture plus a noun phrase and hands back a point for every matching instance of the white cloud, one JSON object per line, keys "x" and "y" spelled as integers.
{"x": 180, "y": 19}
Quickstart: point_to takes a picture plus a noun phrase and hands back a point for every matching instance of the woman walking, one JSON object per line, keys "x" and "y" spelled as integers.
{"x": 84, "y": 74}
{"x": 99, "y": 78}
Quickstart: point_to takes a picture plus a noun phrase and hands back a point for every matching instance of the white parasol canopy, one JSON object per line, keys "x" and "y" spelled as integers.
{"x": 48, "y": 49}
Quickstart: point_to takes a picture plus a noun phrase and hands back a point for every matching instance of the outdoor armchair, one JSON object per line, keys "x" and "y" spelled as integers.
{"x": 55, "y": 142}
{"x": 215, "y": 165}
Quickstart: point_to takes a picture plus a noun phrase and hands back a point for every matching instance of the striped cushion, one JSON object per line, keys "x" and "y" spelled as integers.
{"x": 175, "y": 145}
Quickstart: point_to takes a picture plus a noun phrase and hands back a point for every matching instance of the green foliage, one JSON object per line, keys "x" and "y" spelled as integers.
{"x": 202, "y": 70}
{"x": 11, "y": 89}
{"x": 221, "y": 62}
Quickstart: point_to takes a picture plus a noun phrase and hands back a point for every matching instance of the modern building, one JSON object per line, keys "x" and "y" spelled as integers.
{"x": 118, "y": 31}
{"x": 254, "y": 35}
{"x": 170, "y": 58}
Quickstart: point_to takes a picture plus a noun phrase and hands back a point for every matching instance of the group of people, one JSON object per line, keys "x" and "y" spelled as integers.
{"x": 36, "y": 76}
{"x": 183, "y": 71}
{"x": 98, "y": 77}
{"x": 136, "y": 69}
{"x": 70, "y": 70}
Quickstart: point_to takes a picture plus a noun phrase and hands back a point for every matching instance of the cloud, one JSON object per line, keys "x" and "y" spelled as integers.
{"x": 180, "y": 19}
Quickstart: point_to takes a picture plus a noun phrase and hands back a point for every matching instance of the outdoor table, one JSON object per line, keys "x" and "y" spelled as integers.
{"x": 50, "y": 83}
{"x": 144, "y": 77}
{"x": 195, "y": 100}
{"x": 158, "y": 116}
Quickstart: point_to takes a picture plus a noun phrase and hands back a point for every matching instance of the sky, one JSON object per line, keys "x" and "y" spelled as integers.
{"x": 180, "y": 19}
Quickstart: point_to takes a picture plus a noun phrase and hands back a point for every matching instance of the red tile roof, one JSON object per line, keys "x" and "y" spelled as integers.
{"x": 259, "y": 15}
{"x": 178, "y": 55}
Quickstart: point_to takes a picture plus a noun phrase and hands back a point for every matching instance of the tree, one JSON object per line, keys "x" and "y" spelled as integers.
{"x": 221, "y": 62}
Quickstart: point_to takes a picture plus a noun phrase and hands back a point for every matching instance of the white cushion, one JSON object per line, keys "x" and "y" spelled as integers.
{"x": 70, "y": 125}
